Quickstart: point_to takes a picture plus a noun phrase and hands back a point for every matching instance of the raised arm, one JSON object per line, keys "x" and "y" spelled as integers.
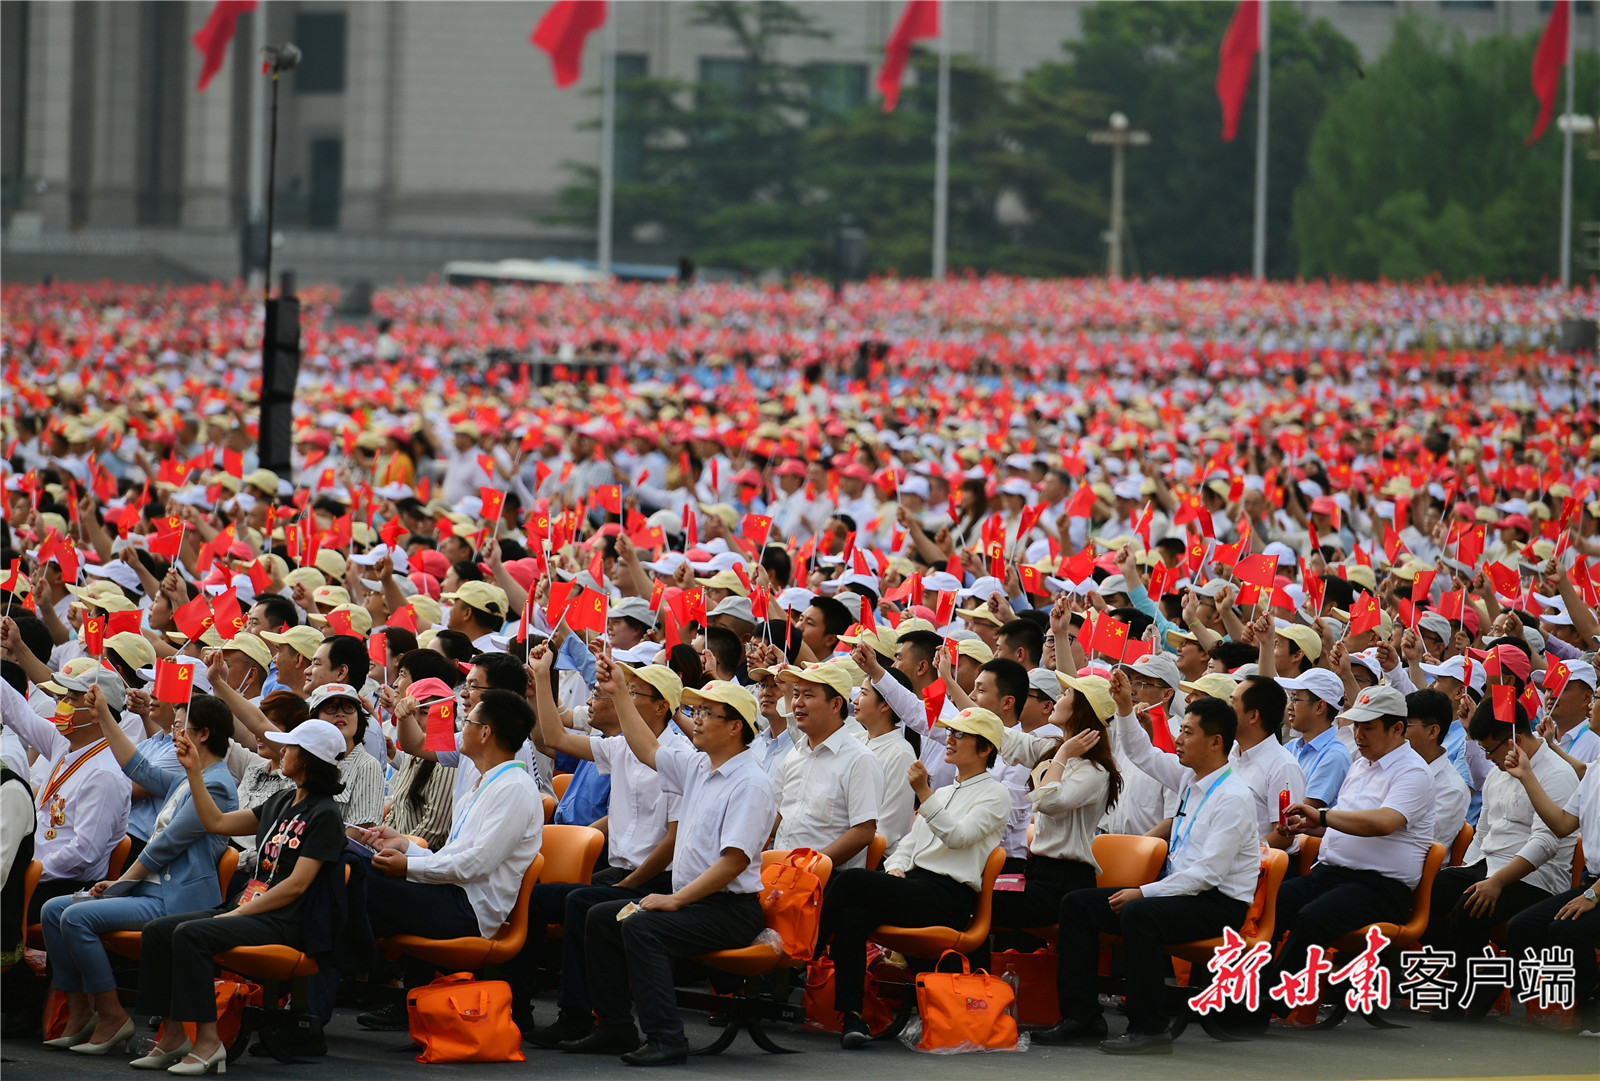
{"x": 641, "y": 741}
{"x": 213, "y": 818}
{"x": 551, "y": 736}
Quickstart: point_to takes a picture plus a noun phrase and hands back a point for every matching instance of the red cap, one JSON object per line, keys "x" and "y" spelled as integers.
{"x": 792, "y": 468}
{"x": 1516, "y": 521}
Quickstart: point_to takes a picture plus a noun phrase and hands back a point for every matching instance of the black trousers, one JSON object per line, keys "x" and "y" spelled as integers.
{"x": 859, "y": 901}
{"x": 1536, "y": 929}
{"x": 396, "y": 906}
{"x": 1325, "y": 904}
{"x": 175, "y": 957}
{"x": 1451, "y": 927}
{"x": 636, "y": 955}
{"x": 1039, "y": 903}
{"x": 568, "y": 903}
{"x": 1145, "y": 924}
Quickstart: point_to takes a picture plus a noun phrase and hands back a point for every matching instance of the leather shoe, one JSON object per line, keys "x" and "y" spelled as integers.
{"x": 617, "y": 1040}
{"x": 1139, "y": 1043}
{"x": 853, "y": 1032}
{"x": 657, "y": 1053}
{"x": 569, "y": 1026}
{"x": 1068, "y": 1032}
{"x": 390, "y": 1018}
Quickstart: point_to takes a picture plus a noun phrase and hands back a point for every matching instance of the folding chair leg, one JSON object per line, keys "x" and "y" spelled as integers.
{"x": 725, "y": 1038}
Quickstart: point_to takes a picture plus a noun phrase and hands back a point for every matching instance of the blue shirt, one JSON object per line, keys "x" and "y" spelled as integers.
{"x": 1324, "y": 761}
{"x": 1455, "y": 748}
{"x": 587, "y": 799}
{"x": 142, "y": 813}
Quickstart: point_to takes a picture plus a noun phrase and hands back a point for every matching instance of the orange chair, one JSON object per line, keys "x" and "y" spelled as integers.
{"x": 751, "y": 1005}
{"x": 126, "y": 943}
{"x": 472, "y": 952}
{"x": 549, "y": 808}
{"x": 876, "y": 851}
{"x": 1126, "y": 861}
{"x": 1401, "y": 936}
{"x": 559, "y": 782}
{"x": 1260, "y": 925}
{"x": 1308, "y": 852}
{"x": 1458, "y": 847}
{"x": 569, "y": 853}
{"x": 114, "y": 869}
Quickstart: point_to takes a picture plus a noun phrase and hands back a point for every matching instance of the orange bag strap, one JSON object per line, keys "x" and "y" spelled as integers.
{"x": 811, "y": 857}
{"x": 966, "y": 966}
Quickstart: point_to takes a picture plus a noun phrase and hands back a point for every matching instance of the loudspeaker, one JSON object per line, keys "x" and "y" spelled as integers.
{"x": 1579, "y": 336}
{"x": 280, "y": 371}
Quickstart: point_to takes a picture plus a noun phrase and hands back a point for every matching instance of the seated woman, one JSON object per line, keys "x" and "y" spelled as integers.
{"x": 258, "y": 773}
{"x": 423, "y": 791}
{"x": 296, "y": 832}
{"x": 934, "y": 874}
{"x": 175, "y": 872}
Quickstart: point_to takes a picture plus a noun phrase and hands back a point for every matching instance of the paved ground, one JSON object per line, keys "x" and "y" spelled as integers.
{"x": 1353, "y": 1051}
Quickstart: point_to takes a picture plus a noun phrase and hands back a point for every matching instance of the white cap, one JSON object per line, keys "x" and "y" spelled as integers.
{"x": 315, "y": 737}
{"x": 1320, "y": 682}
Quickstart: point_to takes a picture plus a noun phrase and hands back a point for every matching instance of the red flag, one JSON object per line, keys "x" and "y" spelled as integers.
{"x": 230, "y": 620}
{"x": 1110, "y": 635}
{"x": 933, "y": 699}
{"x": 1161, "y": 730}
{"x": 441, "y": 735}
{"x": 670, "y": 634}
{"x": 755, "y": 528}
{"x": 1364, "y": 614}
{"x": 340, "y": 623}
{"x": 562, "y": 33}
{"x": 94, "y": 630}
{"x": 1234, "y": 61}
{"x": 174, "y": 681}
{"x": 759, "y": 603}
{"x": 193, "y": 618}
{"x": 609, "y": 497}
{"x": 1450, "y": 605}
{"x": 946, "y": 608}
{"x": 1555, "y": 679}
{"x": 1082, "y": 502}
{"x": 1507, "y": 582}
{"x": 213, "y": 40}
{"x": 1548, "y": 60}
{"x": 404, "y": 617}
{"x": 586, "y": 611}
{"x": 377, "y": 648}
{"x": 920, "y": 19}
{"x": 1258, "y": 570}
{"x": 1505, "y": 703}
{"x": 494, "y": 501}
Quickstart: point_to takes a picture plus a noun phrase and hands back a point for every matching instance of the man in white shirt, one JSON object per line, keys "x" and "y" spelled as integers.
{"x": 1265, "y": 766}
{"x": 467, "y": 888}
{"x": 1374, "y": 840}
{"x": 887, "y": 741}
{"x": 1569, "y": 729}
{"x": 827, "y": 791}
{"x": 1208, "y": 883}
{"x": 1515, "y": 861}
{"x": 1428, "y": 717}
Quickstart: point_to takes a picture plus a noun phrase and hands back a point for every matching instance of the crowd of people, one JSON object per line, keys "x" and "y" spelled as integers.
{"x": 930, "y": 572}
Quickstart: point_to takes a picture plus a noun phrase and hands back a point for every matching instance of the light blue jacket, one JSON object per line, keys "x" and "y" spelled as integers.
{"x": 182, "y": 859}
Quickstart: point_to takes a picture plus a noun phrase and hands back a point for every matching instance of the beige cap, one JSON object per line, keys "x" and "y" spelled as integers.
{"x": 303, "y": 640}
{"x": 979, "y": 722}
{"x": 251, "y": 647}
{"x": 977, "y": 649}
{"x": 1210, "y": 685}
{"x": 331, "y": 564}
{"x": 727, "y": 694}
{"x": 360, "y": 618}
{"x": 1097, "y": 689}
{"x": 134, "y": 649}
{"x": 883, "y": 641}
{"x": 725, "y": 580}
{"x": 482, "y": 596}
{"x": 333, "y": 596}
{"x": 1309, "y": 641}
{"x": 828, "y": 675}
{"x": 982, "y": 612}
{"x": 660, "y": 677}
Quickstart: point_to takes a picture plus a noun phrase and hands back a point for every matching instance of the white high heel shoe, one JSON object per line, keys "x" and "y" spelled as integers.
{"x": 124, "y": 1034}
{"x": 160, "y": 1060}
{"x": 61, "y": 1042}
{"x": 218, "y": 1061}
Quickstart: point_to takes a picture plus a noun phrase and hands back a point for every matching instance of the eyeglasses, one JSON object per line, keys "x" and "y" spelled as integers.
{"x": 484, "y": 723}
{"x": 705, "y": 713}
{"x": 475, "y": 688}
{"x": 634, "y": 692}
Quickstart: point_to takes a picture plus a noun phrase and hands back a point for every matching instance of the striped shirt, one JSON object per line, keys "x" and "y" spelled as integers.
{"x": 361, "y": 802}
{"x": 430, "y": 819}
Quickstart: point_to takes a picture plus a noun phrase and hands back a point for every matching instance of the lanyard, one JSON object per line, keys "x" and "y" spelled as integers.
{"x": 57, "y": 778}
{"x": 1574, "y": 736}
{"x": 483, "y": 786}
{"x": 1180, "y": 839}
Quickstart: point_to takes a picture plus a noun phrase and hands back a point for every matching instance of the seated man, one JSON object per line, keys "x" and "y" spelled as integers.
{"x": 1374, "y": 839}
{"x": 1429, "y": 716}
{"x": 1208, "y": 883}
{"x": 726, "y": 817}
{"x": 642, "y": 825}
{"x": 468, "y": 887}
{"x": 827, "y": 790}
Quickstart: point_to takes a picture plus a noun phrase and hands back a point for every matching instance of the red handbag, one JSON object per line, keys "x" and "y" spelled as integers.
{"x": 1038, "y": 1000}
{"x": 820, "y": 1014}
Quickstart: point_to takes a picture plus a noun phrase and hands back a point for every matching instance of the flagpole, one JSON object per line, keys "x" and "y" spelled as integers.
{"x": 941, "y": 150}
{"x": 1258, "y": 256}
{"x": 1566, "y": 155}
{"x": 608, "y": 139}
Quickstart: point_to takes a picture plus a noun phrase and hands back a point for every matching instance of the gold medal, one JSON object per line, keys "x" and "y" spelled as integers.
{"x": 50, "y": 834}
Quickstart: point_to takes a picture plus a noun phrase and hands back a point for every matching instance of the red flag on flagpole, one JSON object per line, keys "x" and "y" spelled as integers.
{"x": 562, "y": 32}
{"x": 174, "y": 681}
{"x": 1548, "y": 60}
{"x": 441, "y": 731}
{"x": 920, "y": 19}
{"x": 216, "y": 35}
{"x": 1234, "y": 60}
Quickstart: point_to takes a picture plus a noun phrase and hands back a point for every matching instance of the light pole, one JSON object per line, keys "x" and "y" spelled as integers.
{"x": 279, "y": 59}
{"x": 1118, "y": 137}
{"x": 280, "y": 332}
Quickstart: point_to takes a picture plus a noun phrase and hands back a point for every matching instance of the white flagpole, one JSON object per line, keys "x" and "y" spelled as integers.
{"x": 941, "y": 149}
{"x": 1258, "y": 257}
{"x": 608, "y": 138}
{"x": 1566, "y": 154}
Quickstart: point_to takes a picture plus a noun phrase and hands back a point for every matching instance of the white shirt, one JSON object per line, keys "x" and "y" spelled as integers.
{"x": 899, "y": 802}
{"x": 1581, "y": 743}
{"x": 1267, "y": 769}
{"x": 727, "y": 807}
{"x": 955, "y": 830}
{"x": 94, "y": 800}
{"x": 639, "y": 810}
{"x": 1144, "y": 801}
{"x": 824, "y": 791}
{"x": 911, "y": 708}
{"x": 1450, "y": 798}
{"x": 17, "y": 820}
{"x": 1584, "y": 803}
{"x": 495, "y": 836}
{"x": 1508, "y": 826}
{"x": 1015, "y": 774}
{"x": 1068, "y": 809}
{"x": 14, "y": 753}
{"x": 1400, "y": 781}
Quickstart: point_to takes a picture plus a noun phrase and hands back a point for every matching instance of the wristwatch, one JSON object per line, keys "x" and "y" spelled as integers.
{"x": 1322, "y": 817}
{"x": 1589, "y": 896}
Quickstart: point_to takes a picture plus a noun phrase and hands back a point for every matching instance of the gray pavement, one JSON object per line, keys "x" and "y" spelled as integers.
{"x": 1493, "y": 1049}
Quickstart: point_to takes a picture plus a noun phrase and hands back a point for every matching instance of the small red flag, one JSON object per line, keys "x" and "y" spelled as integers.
{"x": 340, "y": 623}
{"x": 1161, "y": 730}
{"x": 174, "y": 681}
{"x": 122, "y": 623}
{"x": 193, "y": 618}
{"x": 1450, "y": 605}
{"x": 404, "y": 617}
{"x": 1507, "y": 582}
{"x": 609, "y": 498}
{"x": 586, "y": 611}
{"x": 933, "y": 696}
{"x": 1505, "y": 703}
{"x": 94, "y": 629}
{"x": 562, "y": 33}
{"x": 1258, "y": 570}
{"x": 494, "y": 501}
{"x": 1364, "y": 614}
{"x": 441, "y": 734}
{"x": 377, "y": 648}
{"x": 755, "y": 528}
{"x": 1555, "y": 679}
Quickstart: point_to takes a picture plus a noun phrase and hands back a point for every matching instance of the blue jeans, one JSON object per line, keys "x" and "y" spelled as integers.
{"x": 72, "y": 937}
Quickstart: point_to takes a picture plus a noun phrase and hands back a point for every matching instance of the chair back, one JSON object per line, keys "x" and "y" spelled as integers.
{"x": 513, "y": 933}
{"x": 1264, "y": 906}
{"x": 1128, "y": 861}
{"x": 1308, "y": 852}
{"x": 978, "y": 929}
{"x": 560, "y": 782}
{"x": 119, "y": 858}
{"x": 1411, "y": 932}
{"x": 1577, "y": 864}
{"x": 227, "y": 863}
{"x": 1458, "y": 847}
{"x": 876, "y": 850}
{"x": 570, "y": 852}
{"x": 549, "y": 808}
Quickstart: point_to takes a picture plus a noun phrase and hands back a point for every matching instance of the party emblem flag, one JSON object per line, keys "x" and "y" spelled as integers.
{"x": 1364, "y": 614}
{"x": 94, "y": 635}
{"x": 193, "y": 618}
{"x": 441, "y": 735}
{"x": 174, "y": 681}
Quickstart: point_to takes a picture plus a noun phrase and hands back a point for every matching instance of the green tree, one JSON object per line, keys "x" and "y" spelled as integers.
{"x": 1421, "y": 169}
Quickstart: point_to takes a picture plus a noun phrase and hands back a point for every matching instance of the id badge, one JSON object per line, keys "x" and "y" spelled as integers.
{"x": 253, "y": 889}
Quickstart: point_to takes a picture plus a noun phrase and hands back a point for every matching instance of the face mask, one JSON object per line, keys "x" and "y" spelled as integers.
{"x": 65, "y": 711}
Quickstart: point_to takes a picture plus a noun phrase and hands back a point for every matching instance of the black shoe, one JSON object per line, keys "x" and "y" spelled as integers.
{"x": 611, "y": 1040}
{"x": 854, "y": 1034}
{"x": 1068, "y": 1032}
{"x": 570, "y": 1026}
{"x": 657, "y": 1053}
{"x": 390, "y": 1018}
{"x": 1139, "y": 1043}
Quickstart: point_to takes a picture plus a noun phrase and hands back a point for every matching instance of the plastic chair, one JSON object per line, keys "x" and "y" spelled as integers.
{"x": 114, "y": 869}
{"x": 126, "y": 943}
{"x": 751, "y": 1005}
{"x": 1458, "y": 847}
{"x": 549, "y": 808}
{"x": 1308, "y": 852}
{"x": 569, "y": 853}
{"x": 1263, "y": 909}
{"x": 560, "y": 782}
{"x": 1127, "y": 861}
{"x": 876, "y": 851}
{"x": 472, "y": 952}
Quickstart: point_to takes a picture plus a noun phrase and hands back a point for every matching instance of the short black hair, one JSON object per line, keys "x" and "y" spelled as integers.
{"x": 280, "y": 611}
{"x": 467, "y": 570}
{"x": 36, "y": 636}
{"x": 1138, "y": 622}
{"x": 1431, "y": 707}
{"x": 455, "y": 645}
{"x": 398, "y": 640}
{"x": 430, "y": 664}
{"x": 1485, "y": 725}
{"x": 1267, "y": 697}
{"x": 1232, "y": 654}
{"x": 780, "y": 568}
{"x": 836, "y": 618}
{"x": 1215, "y": 718}
{"x": 503, "y": 671}
{"x": 350, "y": 653}
{"x": 924, "y": 644}
{"x": 1337, "y": 592}
{"x": 1026, "y": 635}
{"x": 212, "y": 714}
{"x": 725, "y": 647}
{"x": 1010, "y": 680}
{"x": 510, "y": 717}
{"x": 14, "y": 674}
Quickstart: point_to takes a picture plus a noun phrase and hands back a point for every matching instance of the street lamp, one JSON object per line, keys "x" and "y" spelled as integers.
{"x": 1118, "y": 137}
{"x": 280, "y": 334}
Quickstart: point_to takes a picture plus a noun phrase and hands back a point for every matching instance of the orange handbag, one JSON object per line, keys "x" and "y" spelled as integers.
{"x": 458, "y": 1019}
{"x": 1038, "y": 1000}
{"x": 820, "y": 1013}
{"x": 791, "y": 901}
{"x": 232, "y": 997}
{"x": 965, "y": 1011}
